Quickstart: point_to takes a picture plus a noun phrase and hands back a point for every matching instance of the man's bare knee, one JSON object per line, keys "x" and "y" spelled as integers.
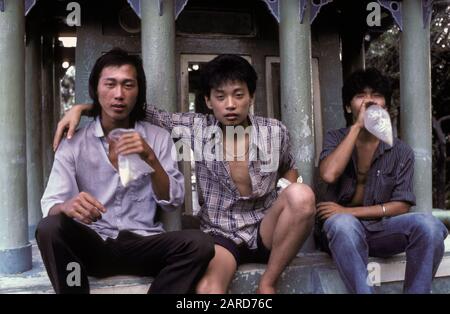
{"x": 300, "y": 199}
{"x": 207, "y": 286}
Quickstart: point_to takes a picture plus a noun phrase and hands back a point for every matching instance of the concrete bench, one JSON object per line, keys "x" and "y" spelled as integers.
{"x": 308, "y": 273}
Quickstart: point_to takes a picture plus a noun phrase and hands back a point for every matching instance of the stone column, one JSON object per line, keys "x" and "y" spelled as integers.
{"x": 296, "y": 93}
{"x": 33, "y": 127}
{"x": 415, "y": 97}
{"x": 15, "y": 250}
{"x": 158, "y": 55}
{"x": 47, "y": 110}
{"x": 296, "y": 90}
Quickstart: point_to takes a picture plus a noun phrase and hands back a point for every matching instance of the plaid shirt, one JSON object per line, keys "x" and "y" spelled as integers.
{"x": 223, "y": 211}
{"x": 389, "y": 179}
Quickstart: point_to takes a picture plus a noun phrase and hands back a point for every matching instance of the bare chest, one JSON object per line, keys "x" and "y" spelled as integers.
{"x": 364, "y": 161}
{"x": 241, "y": 177}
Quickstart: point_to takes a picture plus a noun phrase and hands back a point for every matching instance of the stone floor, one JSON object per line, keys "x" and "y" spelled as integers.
{"x": 308, "y": 273}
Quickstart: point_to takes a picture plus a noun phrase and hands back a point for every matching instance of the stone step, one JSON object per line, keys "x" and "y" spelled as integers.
{"x": 308, "y": 273}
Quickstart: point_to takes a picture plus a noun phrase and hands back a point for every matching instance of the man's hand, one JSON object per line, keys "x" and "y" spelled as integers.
{"x": 133, "y": 143}
{"x": 327, "y": 209}
{"x": 69, "y": 122}
{"x": 83, "y": 207}
{"x": 362, "y": 110}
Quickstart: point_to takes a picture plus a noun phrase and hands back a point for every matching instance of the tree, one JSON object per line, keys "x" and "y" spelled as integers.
{"x": 383, "y": 53}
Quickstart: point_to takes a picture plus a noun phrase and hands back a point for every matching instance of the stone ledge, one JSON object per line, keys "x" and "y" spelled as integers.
{"x": 308, "y": 273}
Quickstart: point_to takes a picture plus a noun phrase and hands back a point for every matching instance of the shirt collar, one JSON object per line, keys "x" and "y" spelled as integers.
{"x": 250, "y": 117}
{"x": 383, "y": 147}
{"x": 98, "y": 130}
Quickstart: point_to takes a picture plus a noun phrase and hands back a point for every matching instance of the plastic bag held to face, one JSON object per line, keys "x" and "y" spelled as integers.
{"x": 131, "y": 166}
{"x": 378, "y": 122}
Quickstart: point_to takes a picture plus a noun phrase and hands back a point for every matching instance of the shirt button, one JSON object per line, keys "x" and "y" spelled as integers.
{"x": 378, "y": 173}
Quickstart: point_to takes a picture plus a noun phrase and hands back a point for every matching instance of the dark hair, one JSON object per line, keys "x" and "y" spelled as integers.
{"x": 227, "y": 68}
{"x": 361, "y": 79}
{"x": 119, "y": 57}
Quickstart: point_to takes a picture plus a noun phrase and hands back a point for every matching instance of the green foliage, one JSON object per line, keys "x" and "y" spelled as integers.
{"x": 383, "y": 53}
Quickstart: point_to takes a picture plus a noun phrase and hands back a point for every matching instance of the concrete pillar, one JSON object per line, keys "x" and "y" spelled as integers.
{"x": 33, "y": 128}
{"x": 415, "y": 98}
{"x": 158, "y": 55}
{"x": 15, "y": 250}
{"x": 47, "y": 104}
{"x": 296, "y": 93}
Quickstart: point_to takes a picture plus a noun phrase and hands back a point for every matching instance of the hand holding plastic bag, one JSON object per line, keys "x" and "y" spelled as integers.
{"x": 378, "y": 122}
{"x": 130, "y": 166}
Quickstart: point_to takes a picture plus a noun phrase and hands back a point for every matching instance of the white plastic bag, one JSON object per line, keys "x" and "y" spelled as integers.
{"x": 378, "y": 122}
{"x": 131, "y": 166}
{"x": 284, "y": 183}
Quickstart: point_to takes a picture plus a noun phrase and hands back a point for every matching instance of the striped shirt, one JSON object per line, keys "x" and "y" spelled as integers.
{"x": 82, "y": 165}
{"x": 223, "y": 211}
{"x": 390, "y": 177}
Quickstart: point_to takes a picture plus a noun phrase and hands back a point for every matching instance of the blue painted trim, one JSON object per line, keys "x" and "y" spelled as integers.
{"x": 179, "y": 7}
{"x": 427, "y": 10}
{"x": 274, "y": 7}
{"x": 315, "y": 8}
{"x": 13, "y": 261}
{"x": 395, "y": 8}
{"x": 136, "y": 6}
{"x": 29, "y": 4}
{"x": 302, "y": 10}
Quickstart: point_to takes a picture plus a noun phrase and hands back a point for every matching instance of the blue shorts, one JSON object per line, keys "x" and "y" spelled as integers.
{"x": 242, "y": 254}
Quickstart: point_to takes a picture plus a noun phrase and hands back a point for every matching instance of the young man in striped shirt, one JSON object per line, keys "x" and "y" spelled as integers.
{"x": 370, "y": 192}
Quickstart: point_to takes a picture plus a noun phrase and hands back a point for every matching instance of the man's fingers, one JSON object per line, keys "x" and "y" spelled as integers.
{"x": 58, "y": 135}
{"x": 94, "y": 203}
{"x": 71, "y": 131}
{"x": 85, "y": 216}
{"x": 78, "y": 216}
{"x": 130, "y": 135}
{"x": 322, "y": 207}
{"x": 324, "y": 212}
{"x": 94, "y": 213}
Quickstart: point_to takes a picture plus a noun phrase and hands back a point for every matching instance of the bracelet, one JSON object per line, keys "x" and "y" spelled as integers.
{"x": 384, "y": 209}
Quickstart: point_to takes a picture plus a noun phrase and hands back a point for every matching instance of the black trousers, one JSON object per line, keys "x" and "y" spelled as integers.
{"x": 176, "y": 260}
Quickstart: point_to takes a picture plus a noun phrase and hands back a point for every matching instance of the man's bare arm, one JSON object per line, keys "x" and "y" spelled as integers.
{"x": 394, "y": 208}
{"x": 69, "y": 122}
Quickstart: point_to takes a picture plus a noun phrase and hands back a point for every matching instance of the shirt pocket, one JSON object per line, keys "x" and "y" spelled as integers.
{"x": 140, "y": 189}
{"x": 384, "y": 186}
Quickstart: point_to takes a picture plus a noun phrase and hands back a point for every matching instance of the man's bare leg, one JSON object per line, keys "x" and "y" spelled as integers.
{"x": 219, "y": 273}
{"x": 284, "y": 229}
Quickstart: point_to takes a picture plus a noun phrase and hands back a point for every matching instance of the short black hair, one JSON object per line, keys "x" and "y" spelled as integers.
{"x": 361, "y": 79}
{"x": 118, "y": 57}
{"x": 227, "y": 68}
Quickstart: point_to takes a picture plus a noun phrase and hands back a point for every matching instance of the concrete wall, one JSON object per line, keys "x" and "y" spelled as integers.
{"x": 100, "y": 32}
